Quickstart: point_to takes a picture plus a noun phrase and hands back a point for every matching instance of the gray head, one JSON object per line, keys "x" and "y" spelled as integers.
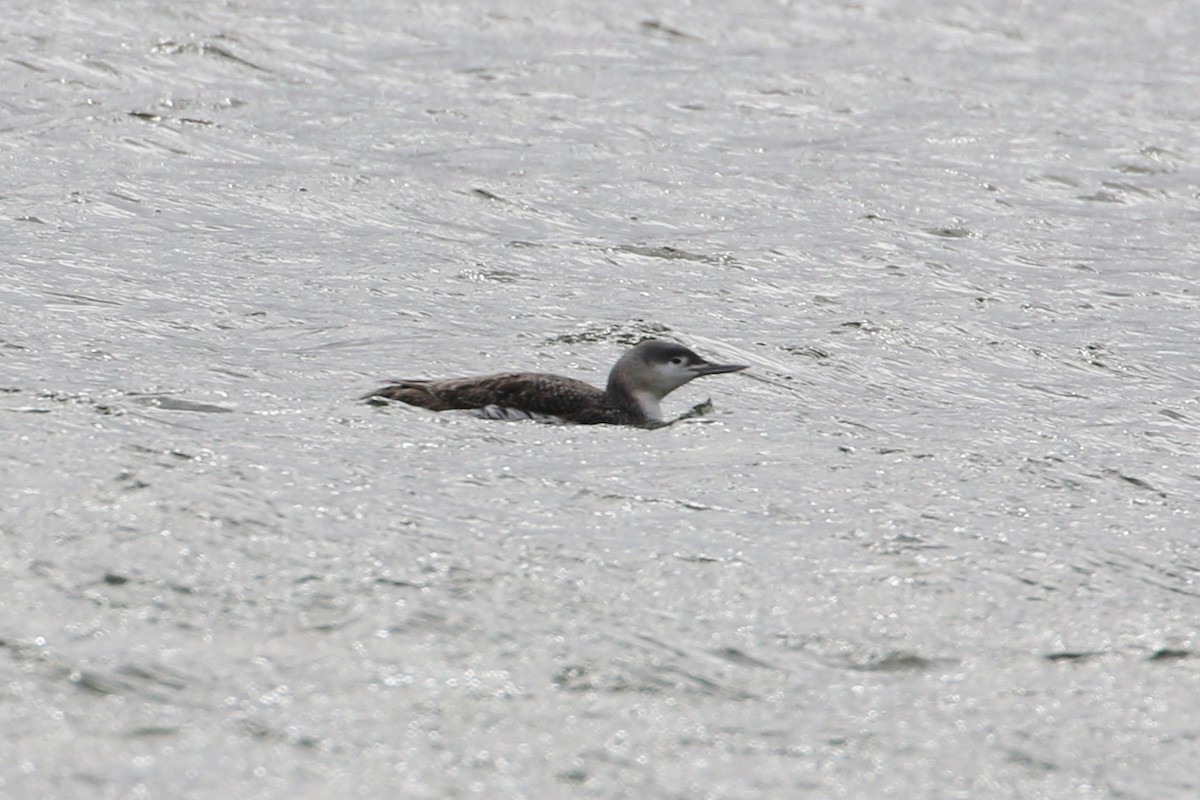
{"x": 653, "y": 369}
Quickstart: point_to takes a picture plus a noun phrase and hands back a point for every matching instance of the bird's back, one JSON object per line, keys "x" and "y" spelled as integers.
{"x": 532, "y": 392}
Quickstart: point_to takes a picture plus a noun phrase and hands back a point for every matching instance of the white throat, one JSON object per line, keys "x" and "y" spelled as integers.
{"x": 648, "y": 403}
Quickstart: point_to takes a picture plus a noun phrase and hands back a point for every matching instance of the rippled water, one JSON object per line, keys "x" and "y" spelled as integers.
{"x": 939, "y": 542}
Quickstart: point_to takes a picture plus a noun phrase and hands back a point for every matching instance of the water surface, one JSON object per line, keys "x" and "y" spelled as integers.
{"x": 939, "y": 542}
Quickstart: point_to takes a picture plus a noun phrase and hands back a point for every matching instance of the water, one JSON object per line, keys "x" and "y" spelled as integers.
{"x": 939, "y": 542}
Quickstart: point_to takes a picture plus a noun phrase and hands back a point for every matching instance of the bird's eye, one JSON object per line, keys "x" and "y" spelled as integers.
{"x": 677, "y": 360}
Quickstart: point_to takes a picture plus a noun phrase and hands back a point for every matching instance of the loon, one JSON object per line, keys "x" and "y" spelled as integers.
{"x": 642, "y": 377}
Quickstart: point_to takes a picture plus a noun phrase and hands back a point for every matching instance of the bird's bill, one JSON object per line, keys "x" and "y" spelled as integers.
{"x": 716, "y": 369}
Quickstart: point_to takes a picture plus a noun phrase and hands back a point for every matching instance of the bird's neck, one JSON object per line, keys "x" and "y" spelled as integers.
{"x": 648, "y": 403}
{"x": 639, "y": 401}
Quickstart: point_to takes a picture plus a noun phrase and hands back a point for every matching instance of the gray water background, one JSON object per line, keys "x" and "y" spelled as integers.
{"x": 940, "y": 541}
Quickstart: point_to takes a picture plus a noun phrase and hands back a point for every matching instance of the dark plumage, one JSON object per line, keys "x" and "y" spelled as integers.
{"x": 640, "y": 379}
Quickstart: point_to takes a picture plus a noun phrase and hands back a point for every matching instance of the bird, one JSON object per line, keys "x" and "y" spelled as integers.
{"x": 641, "y": 378}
